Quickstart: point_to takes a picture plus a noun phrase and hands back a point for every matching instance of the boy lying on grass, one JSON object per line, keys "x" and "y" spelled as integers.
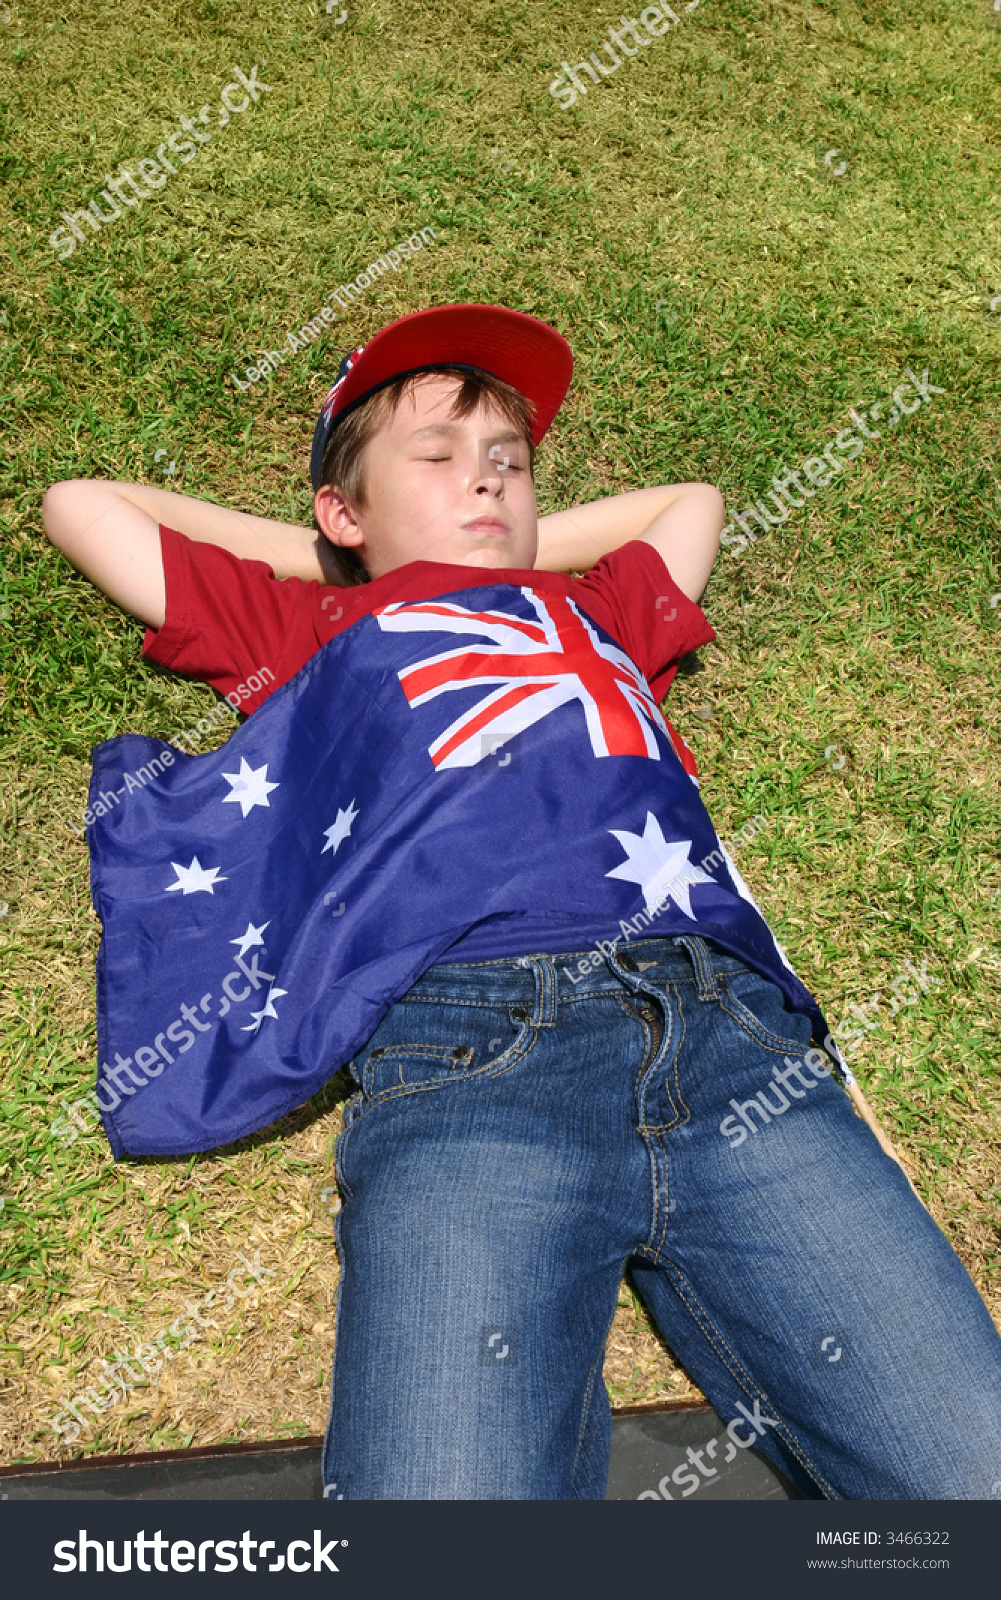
{"x": 474, "y": 859}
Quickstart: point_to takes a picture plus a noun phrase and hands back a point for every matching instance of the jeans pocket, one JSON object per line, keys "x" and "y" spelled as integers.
{"x": 758, "y": 1006}
{"x": 428, "y": 1044}
{"x": 409, "y": 1065}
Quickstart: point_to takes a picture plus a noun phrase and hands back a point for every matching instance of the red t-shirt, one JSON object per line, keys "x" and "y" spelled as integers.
{"x": 226, "y": 619}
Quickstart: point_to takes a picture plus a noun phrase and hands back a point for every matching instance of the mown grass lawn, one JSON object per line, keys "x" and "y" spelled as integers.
{"x": 729, "y": 300}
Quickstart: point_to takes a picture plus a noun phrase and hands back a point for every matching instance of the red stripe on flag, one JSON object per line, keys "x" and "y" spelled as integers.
{"x": 497, "y": 709}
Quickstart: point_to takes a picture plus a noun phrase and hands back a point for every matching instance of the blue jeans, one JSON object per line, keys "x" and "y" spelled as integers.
{"x": 523, "y": 1131}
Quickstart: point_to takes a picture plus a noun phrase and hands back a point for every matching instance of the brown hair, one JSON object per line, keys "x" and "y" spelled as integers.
{"x": 343, "y": 460}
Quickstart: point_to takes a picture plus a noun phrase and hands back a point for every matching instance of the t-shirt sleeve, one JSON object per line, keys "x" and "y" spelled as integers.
{"x": 632, "y": 595}
{"x": 226, "y": 618}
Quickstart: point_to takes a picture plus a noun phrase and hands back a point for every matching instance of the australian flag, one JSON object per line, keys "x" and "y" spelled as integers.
{"x": 265, "y": 904}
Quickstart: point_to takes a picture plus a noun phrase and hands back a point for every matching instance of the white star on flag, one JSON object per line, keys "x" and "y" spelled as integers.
{"x": 662, "y": 870}
{"x": 252, "y": 936}
{"x": 250, "y": 786}
{"x": 268, "y": 1011}
{"x": 340, "y": 829}
{"x": 191, "y": 879}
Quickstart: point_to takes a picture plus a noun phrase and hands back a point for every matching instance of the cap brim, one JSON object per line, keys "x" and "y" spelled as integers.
{"x": 524, "y": 352}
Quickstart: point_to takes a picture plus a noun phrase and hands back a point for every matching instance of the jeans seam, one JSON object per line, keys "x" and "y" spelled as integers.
{"x": 657, "y": 1139}
{"x": 512, "y": 961}
{"x": 651, "y": 1133}
{"x": 346, "y": 1191}
{"x": 586, "y": 1406}
{"x": 351, "y": 1106}
{"x": 740, "y": 1376}
{"x": 597, "y": 1367}
{"x": 683, "y": 1115}
{"x": 647, "y": 1059}
{"x": 346, "y": 1195}
{"x": 661, "y": 1189}
{"x": 450, "y": 1000}
{"x": 680, "y": 1100}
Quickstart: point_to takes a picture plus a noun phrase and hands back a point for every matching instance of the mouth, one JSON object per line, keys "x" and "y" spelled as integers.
{"x": 486, "y": 525}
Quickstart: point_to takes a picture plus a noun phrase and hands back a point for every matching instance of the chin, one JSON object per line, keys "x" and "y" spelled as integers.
{"x": 486, "y": 558}
{"x": 492, "y": 556}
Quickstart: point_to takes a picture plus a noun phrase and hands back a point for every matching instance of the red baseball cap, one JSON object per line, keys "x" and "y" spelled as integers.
{"x": 519, "y": 349}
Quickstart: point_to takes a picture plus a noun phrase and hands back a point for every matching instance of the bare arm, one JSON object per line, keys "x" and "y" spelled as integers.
{"x": 110, "y": 532}
{"x": 682, "y": 520}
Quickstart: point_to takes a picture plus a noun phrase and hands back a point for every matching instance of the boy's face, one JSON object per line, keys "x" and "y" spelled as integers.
{"x": 439, "y": 489}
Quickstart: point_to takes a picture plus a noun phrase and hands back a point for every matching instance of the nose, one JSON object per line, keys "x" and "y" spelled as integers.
{"x": 491, "y": 469}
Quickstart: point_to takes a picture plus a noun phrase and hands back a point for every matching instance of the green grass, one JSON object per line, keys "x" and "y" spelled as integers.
{"x": 691, "y": 178}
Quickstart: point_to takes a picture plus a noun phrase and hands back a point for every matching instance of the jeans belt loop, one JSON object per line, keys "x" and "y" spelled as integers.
{"x": 542, "y": 972}
{"x": 701, "y": 960}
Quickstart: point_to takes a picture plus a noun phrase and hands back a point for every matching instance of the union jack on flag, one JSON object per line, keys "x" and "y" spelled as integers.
{"x": 530, "y": 668}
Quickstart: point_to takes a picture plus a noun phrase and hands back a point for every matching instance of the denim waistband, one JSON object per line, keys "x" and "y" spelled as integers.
{"x": 541, "y": 982}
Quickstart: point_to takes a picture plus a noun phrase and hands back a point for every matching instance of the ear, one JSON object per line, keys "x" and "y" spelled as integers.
{"x": 337, "y": 517}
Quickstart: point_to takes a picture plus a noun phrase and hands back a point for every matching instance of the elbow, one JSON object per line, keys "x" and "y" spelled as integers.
{"x": 704, "y": 506}
{"x": 708, "y": 509}
{"x": 715, "y": 506}
{"x": 709, "y": 517}
{"x": 50, "y": 511}
{"x": 55, "y": 511}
